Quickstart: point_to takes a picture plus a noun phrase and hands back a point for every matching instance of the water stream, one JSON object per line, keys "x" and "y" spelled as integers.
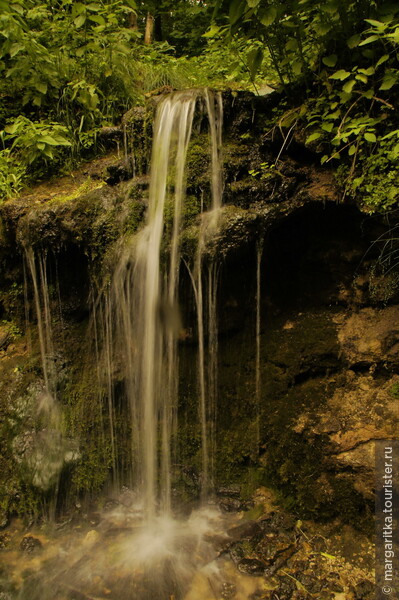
{"x": 142, "y": 321}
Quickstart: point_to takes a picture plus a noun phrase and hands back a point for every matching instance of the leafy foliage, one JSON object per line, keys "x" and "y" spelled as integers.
{"x": 12, "y": 175}
{"x": 343, "y": 55}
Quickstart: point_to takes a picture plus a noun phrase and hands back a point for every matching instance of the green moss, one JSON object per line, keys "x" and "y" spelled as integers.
{"x": 85, "y": 420}
{"x": 394, "y": 391}
{"x": 12, "y": 301}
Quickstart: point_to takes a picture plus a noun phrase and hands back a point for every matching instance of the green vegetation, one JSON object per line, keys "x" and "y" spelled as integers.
{"x": 70, "y": 68}
{"x": 336, "y": 63}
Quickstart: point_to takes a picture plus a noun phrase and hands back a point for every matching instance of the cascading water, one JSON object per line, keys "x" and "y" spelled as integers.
{"x": 259, "y": 252}
{"x": 49, "y": 450}
{"x": 143, "y": 312}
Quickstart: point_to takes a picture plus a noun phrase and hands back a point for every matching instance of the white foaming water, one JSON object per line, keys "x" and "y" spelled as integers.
{"x": 124, "y": 558}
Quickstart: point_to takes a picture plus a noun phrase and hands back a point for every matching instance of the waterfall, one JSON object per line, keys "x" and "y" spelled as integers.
{"x": 143, "y": 312}
{"x": 49, "y": 450}
{"x": 259, "y": 252}
{"x": 43, "y": 316}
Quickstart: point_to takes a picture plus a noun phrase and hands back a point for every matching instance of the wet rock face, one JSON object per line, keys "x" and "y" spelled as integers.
{"x": 30, "y": 544}
{"x": 328, "y": 357}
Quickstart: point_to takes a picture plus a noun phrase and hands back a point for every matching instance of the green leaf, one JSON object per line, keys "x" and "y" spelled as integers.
{"x": 333, "y": 115}
{"x": 369, "y": 71}
{"x": 389, "y": 135}
{"x": 253, "y": 3}
{"x": 330, "y": 61}
{"x": 297, "y": 67}
{"x": 18, "y": 8}
{"x": 349, "y": 85}
{"x": 390, "y": 79}
{"x": 93, "y": 7}
{"x": 382, "y": 60}
{"x": 327, "y": 127}
{"x": 393, "y": 155}
{"x": 361, "y": 78}
{"x": 341, "y": 75}
{"x": 15, "y": 48}
{"x": 97, "y": 19}
{"x": 80, "y": 20}
{"x": 213, "y": 31}
{"x": 377, "y": 24}
{"x": 268, "y": 16}
{"x": 11, "y": 129}
{"x": 236, "y": 11}
{"x": 254, "y": 58}
{"x": 41, "y": 87}
{"x": 292, "y": 44}
{"x": 330, "y": 556}
{"x": 47, "y": 139}
{"x": 313, "y": 137}
{"x": 354, "y": 40}
{"x": 352, "y": 150}
{"x": 370, "y": 137}
{"x": 369, "y": 40}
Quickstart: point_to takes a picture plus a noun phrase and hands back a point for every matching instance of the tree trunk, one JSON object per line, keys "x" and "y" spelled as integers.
{"x": 133, "y": 21}
{"x": 149, "y": 29}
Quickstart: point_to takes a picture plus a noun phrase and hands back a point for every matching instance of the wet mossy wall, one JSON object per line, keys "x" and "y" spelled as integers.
{"x": 314, "y": 274}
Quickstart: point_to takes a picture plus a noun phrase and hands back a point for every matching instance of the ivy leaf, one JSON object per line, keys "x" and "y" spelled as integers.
{"x": 341, "y": 75}
{"x": 349, "y": 85}
{"x": 330, "y": 61}
{"x": 268, "y": 16}
{"x": 370, "y": 137}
